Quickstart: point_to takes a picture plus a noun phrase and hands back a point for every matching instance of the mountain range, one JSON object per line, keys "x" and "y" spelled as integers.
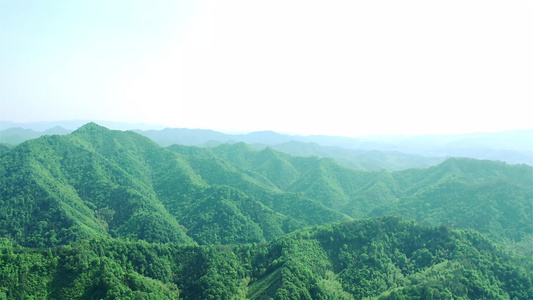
{"x": 101, "y": 213}
{"x": 509, "y": 146}
{"x": 370, "y": 153}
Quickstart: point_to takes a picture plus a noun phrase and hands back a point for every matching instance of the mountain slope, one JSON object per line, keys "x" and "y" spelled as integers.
{"x": 365, "y": 160}
{"x": 102, "y": 214}
{"x": 384, "y": 258}
{"x": 492, "y": 197}
{"x": 245, "y": 168}
{"x": 489, "y": 196}
{"x": 81, "y": 185}
{"x": 98, "y": 182}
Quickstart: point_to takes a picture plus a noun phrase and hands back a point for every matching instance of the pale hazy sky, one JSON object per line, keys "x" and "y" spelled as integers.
{"x": 307, "y": 67}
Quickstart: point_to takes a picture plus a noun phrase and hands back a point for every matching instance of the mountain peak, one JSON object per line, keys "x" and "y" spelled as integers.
{"x": 91, "y": 127}
{"x": 57, "y": 130}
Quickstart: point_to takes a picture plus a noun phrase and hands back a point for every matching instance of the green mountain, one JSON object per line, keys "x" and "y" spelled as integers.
{"x": 5, "y": 147}
{"x": 370, "y": 153}
{"x": 57, "y": 189}
{"x": 98, "y": 182}
{"x": 365, "y": 160}
{"x": 491, "y": 197}
{"x": 385, "y": 258}
{"x": 103, "y": 214}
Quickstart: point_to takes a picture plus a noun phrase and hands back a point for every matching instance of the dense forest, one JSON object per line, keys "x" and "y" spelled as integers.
{"x": 103, "y": 214}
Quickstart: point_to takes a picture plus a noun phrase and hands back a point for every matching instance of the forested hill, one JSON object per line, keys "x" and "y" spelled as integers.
{"x": 111, "y": 214}
{"x": 492, "y": 197}
{"x": 369, "y": 153}
{"x": 384, "y": 258}
{"x": 99, "y": 182}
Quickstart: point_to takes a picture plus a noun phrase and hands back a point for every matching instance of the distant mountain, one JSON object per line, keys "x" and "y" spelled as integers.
{"x": 183, "y": 136}
{"x": 43, "y": 126}
{"x": 98, "y": 182}
{"x": 201, "y": 137}
{"x": 510, "y": 146}
{"x": 17, "y": 135}
{"x": 371, "y": 160}
{"x": 75, "y": 124}
{"x": 105, "y": 214}
{"x": 57, "y": 130}
{"x": 513, "y": 146}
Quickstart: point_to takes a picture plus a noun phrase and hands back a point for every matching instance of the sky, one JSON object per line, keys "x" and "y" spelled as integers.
{"x": 346, "y": 68}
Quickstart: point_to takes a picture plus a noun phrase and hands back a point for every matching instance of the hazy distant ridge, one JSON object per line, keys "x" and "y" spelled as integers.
{"x": 514, "y": 146}
{"x": 102, "y": 214}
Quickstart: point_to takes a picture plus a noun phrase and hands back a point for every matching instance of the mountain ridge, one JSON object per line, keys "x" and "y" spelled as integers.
{"x": 94, "y": 165}
{"x": 108, "y": 214}
{"x": 512, "y": 146}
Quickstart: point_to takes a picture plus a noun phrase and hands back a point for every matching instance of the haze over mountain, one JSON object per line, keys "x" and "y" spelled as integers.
{"x": 267, "y": 178}
{"x": 72, "y": 125}
{"x": 310, "y": 150}
{"x": 107, "y": 214}
{"x": 366, "y": 153}
{"x": 345, "y": 68}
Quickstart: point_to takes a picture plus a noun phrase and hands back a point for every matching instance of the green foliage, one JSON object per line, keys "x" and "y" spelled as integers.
{"x": 387, "y": 258}
{"x": 4, "y": 147}
{"x": 491, "y": 197}
{"x": 390, "y": 258}
{"x": 56, "y": 188}
{"x": 98, "y": 182}
{"x": 102, "y": 214}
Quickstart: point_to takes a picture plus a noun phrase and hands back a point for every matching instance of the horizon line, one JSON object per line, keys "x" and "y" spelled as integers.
{"x": 129, "y": 126}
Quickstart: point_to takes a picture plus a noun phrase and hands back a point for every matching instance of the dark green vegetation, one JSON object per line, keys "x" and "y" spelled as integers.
{"x": 386, "y": 258}
{"x": 5, "y": 147}
{"x": 110, "y": 214}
